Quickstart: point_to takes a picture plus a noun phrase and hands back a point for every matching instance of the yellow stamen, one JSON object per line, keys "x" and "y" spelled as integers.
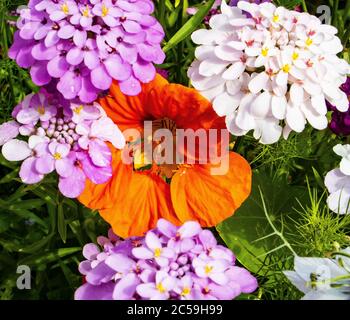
{"x": 160, "y": 288}
{"x": 275, "y": 18}
{"x": 308, "y": 41}
{"x": 105, "y": 10}
{"x": 286, "y": 68}
{"x": 78, "y": 110}
{"x": 157, "y": 252}
{"x": 186, "y": 291}
{"x": 86, "y": 12}
{"x": 295, "y": 55}
{"x": 65, "y": 8}
{"x": 41, "y": 110}
{"x": 140, "y": 159}
{"x": 265, "y": 52}
{"x": 57, "y": 156}
{"x": 208, "y": 269}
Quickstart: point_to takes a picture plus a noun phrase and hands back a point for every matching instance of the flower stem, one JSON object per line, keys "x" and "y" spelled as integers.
{"x": 303, "y": 4}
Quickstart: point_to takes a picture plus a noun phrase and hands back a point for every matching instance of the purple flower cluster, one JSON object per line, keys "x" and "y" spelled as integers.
{"x": 340, "y": 122}
{"x": 70, "y": 140}
{"x": 85, "y": 44}
{"x": 169, "y": 262}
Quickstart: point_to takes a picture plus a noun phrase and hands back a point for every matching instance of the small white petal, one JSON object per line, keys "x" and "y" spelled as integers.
{"x": 16, "y": 150}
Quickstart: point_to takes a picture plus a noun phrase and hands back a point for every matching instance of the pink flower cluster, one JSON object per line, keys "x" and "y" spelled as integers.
{"x": 70, "y": 140}
{"x": 178, "y": 263}
{"x": 86, "y": 44}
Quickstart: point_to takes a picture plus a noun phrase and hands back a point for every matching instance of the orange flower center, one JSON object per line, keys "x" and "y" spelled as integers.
{"x": 143, "y": 160}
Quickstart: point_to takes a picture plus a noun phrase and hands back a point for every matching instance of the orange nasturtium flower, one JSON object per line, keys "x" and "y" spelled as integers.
{"x": 135, "y": 198}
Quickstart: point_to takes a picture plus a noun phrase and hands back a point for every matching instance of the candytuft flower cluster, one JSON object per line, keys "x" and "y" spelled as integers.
{"x": 179, "y": 263}
{"x": 69, "y": 139}
{"x": 270, "y": 72}
{"x": 87, "y": 44}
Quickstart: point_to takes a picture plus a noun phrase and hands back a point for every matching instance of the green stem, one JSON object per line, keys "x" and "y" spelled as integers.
{"x": 303, "y": 4}
{"x": 238, "y": 142}
{"x": 278, "y": 233}
{"x": 335, "y": 13}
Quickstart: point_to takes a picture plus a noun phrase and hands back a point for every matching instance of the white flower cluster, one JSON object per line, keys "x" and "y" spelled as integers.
{"x": 337, "y": 182}
{"x": 322, "y": 278}
{"x": 270, "y": 72}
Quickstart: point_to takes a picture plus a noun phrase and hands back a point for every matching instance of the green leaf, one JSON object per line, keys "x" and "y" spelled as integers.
{"x": 61, "y": 223}
{"x": 35, "y": 247}
{"x": 10, "y": 176}
{"x": 248, "y": 232}
{"x": 48, "y": 256}
{"x": 190, "y": 26}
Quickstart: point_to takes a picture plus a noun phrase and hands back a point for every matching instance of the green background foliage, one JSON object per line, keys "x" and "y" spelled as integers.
{"x": 285, "y": 214}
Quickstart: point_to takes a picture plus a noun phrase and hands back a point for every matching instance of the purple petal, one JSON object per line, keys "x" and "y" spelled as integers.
{"x": 57, "y": 15}
{"x": 140, "y": 6}
{"x": 91, "y": 59}
{"x": 66, "y": 32}
{"x": 73, "y": 185}
{"x": 243, "y": 278}
{"x": 45, "y": 164}
{"x": 126, "y": 287}
{"x": 51, "y": 38}
{"x": 96, "y": 174}
{"x": 190, "y": 229}
{"x": 40, "y": 52}
{"x": 219, "y": 278}
{"x": 64, "y": 167}
{"x": 69, "y": 85}
{"x": 117, "y": 69}
{"x": 167, "y": 228}
{"x": 79, "y": 38}
{"x": 186, "y": 245}
{"x": 16, "y": 150}
{"x": 152, "y": 241}
{"x": 27, "y": 116}
{"x": 130, "y": 87}
{"x": 90, "y": 292}
{"x": 100, "y": 274}
{"x": 28, "y": 173}
{"x": 100, "y": 154}
{"x": 127, "y": 52}
{"x": 100, "y": 78}
{"x": 75, "y": 56}
{"x": 57, "y": 67}
{"x": 142, "y": 253}
{"x": 24, "y": 57}
{"x": 144, "y": 71}
{"x": 90, "y": 251}
{"x": 8, "y": 131}
{"x": 223, "y": 292}
{"x": 135, "y": 38}
{"x": 207, "y": 239}
{"x": 131, "y": 26}
{"x": 110, "y": 21}
{"x": 88, "y": 92}
{"x": 147, "y": 290}
{"x": 28, "y": 30}
{"x": 120, "y": 263}
{"x": 39, "y": 74}
{"x": 42, "y": 32}
{"x": 85, "y": 21}
{"x": 84, "y": 267}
